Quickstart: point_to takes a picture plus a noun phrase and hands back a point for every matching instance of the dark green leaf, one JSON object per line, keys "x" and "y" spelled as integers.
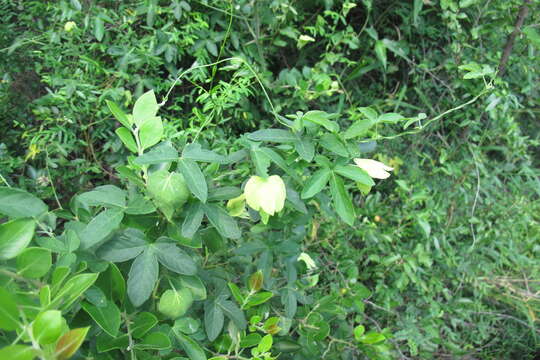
{"x": 272, "y": 135}
{"x": 321, "y": 118}
{"x": 332, "y": 142}
{"x": 194, "y": 178}
{"x": 195, "y": 152}
{"x": 359, "y": 128}
{"x": 191, "y": 348}
{"x": 162, "y": 153}
{"x": 234, "y": 313}
{"x": 316, "y": 183}
{"x": 222, "y": 221}
{"x": 106, "y": 195}
{"x": 354, "y": 173}
{"x": 100, "y": 227}
{"x": 174, "y": 258}
{"x": 123, "y": 246}
{"x": 107, "y": 317}
{"x": 213, "y": 319}
{"x": 142, "y": 277}
{"x": 143, "y": 322}
{"x": 305, "y": 148}
{"x": 341, "y": 199}
{"x": 17, "y": 203}
{"x": 192, "y": 221}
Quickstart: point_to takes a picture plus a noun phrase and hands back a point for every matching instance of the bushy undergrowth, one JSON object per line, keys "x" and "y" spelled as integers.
{"x": 196, "y": 163}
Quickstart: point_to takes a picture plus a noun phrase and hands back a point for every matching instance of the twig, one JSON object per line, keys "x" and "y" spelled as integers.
{"x": 131, "y": 343}
{"x": 475, "y": 196}
{"x": 523, "y": 11}
{"x": 508, "y": 317}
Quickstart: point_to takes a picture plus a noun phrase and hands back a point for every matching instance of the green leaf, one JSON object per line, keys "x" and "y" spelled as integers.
{"x": 372, "y": 338}
{"x": 139, "y": 205}
{"x": 265, "y": 344}
{"x": 250, "y": 340}
{"x": 106, "y": 343}
{"x": 146, "y": 107}
{"x": 359, "y": 128}
{"x": 236, "y": 293}
{"x": 70, "y": 342}
{"x": 280, "y": 162}
{"x": 195, "y": 152}
{"x": 47, "y": 327}
{"x": 258, "y": 299}
{"x": 342, "y": 201}
{"x": 142, "y": 277}
{"x": 359, "y": 331}
{"x": 332, "y": 142}
{"x": 191, "y": 348}
{"x": 222, "y": 221}
{"x": 255, "y": 281}
{"x": 174, "y": 258}
{"x": 380, "y": 51}
{"x": 194, "y": 178}
{"x": 233, "y": 312}
{"x": 151, "y": 132}
{"x": 143, "y": 322}
{"x": 107, "y": 317}
{"x": 9, "y": 314}
{"x": 213, "y": 319}
{"x": 119, "y": 114}
{"x": 163, "y": 153}
{"x": 123, "y": 246}
{"x": 73, "y": 289}
{"x": 305, "y": 148}
{"x": 272, "y": 135}
{"x": 193, "y": 220}
{"x": 224, "y": 193}
{"x": 15, "y": 235}
{"x": 186, "y": 325}
{"x": 175, "y": 303}
{"x": 127, "y": 139}
{"x": 321, "y": 118}
{"x": 106, "y": 195}
{"x": 390, "y": 118}
{"x": 18, "y": 352}
{"x": 316, "y": 183}
{"x": 260, "y": 160}
{"x": 17, "y": 203}
{"x": 354, "y": 173}
{"x": 369, "y": 113}
{"x": 533, "y": 35}
{"x": 100, "y": 227}
{"x": 99, "y": 28}
{"x": 195, "y": 285}
{"x": 34, "y": 262}
{"x": 154, "y": 341}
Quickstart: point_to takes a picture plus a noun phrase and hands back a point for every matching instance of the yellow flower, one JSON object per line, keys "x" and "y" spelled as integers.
{"x": 70, "y": 25}
{"x": 267, "y": 194}
{"x": 375, "y": 169}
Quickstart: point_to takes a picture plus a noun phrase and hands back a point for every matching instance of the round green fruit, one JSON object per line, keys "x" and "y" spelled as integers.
{"x": 175, "y": 303}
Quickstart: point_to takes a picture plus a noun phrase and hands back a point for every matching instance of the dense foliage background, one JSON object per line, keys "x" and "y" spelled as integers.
{"x": 441, "y": 260}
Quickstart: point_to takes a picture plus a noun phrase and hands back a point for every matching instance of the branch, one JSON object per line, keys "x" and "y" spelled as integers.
{"x": 523, "y": 11}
